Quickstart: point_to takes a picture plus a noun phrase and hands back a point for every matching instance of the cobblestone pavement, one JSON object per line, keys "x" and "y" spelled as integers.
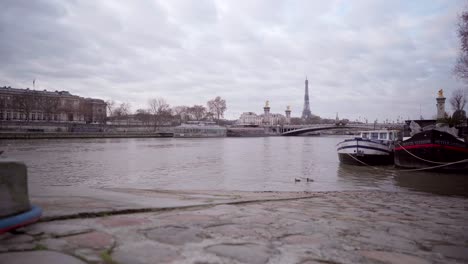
{"x": 330, "y": 227}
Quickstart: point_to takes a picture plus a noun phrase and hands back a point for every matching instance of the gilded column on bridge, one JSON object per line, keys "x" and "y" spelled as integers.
{"x": 440, "y": 105}
{"x": 266, "y": 114}
{"x": 288, "y": 115}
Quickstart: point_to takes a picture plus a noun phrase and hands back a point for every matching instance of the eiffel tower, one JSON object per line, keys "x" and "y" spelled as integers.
{"x": 306, "y": 114}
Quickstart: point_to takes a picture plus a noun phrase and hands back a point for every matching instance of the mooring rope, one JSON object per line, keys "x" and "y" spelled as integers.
{"x": 419, "y": 169}
{"x": 435, "y": 162}
{"x": 437, "y": 166}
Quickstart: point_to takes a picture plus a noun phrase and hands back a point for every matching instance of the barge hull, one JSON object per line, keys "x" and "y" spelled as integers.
{"x": 432, "y": 149}
{"x": 353, "y": 159}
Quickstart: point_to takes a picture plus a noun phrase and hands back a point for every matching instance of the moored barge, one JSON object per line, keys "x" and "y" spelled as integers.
{"x": 432, "y": 149}
{"x": 370, "y": 148}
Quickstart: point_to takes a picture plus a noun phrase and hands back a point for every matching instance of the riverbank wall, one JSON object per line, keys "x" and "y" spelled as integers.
{"x": 49, "y": 130}
{"x": 59, "y": 135}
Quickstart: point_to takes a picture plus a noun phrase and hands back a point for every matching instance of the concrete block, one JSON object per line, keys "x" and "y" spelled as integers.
{"x": 14, "y": 198}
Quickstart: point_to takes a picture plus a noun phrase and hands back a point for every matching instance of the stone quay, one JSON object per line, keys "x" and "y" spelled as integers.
{"x": 151, "y": 226}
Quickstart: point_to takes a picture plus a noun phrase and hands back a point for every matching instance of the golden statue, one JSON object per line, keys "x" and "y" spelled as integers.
{"x": 441, "y": 93}
{"x": 267, "y": 103}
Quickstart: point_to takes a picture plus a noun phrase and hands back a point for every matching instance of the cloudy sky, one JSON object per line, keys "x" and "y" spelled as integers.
{"x": 369, "y": 58}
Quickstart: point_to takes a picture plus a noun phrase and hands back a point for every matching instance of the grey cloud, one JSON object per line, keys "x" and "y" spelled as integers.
{"x": 363, "y": 58}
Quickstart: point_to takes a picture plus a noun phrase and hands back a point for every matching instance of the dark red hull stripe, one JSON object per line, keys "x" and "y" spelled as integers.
{"x": 421, "y": 146}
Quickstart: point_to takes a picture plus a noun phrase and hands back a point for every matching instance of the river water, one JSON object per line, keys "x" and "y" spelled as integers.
{"x": 246, "y": 164}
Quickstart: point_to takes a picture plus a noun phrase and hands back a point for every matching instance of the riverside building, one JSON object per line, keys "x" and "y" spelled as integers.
{"x": 265, "y": 119}
{"x": 48, "y": 106}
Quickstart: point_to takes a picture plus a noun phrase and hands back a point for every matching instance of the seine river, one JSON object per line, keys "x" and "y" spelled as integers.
{"x": 247, "y": 164}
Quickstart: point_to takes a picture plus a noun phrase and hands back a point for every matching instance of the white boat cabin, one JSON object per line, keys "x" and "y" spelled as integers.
{"x": 387, "y": 135}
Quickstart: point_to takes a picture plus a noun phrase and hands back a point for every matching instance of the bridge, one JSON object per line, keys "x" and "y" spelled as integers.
{"x": 296, "y": 130}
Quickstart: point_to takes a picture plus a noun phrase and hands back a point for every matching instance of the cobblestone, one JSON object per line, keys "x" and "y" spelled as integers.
{"x": 144, "y": 252}
{"x": 245, "y": 253}
{"x": 38, "y": 257}
{"x": 175, "y": 235}
{"x": 95, "y": 240}
{"x": 333, "y": 227}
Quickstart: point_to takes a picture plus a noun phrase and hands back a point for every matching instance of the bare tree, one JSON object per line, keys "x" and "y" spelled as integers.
{"x": 210, "y": 116}
{"x": 110, "y": 107}
{"x": 122, "y": 110}
{"x": 161, "y": 111}
{"x": 143, "y": 115}
{"x": 217, "y": 107}
{"x": 461, "y": 67}
{"x": 25, "y": 103}
{"x": 157, "y": 105}
{"x": 458, "y": 100}
{"x": 49, "y": 106}
{"x": 181, "y": 112}
{"x": 126, "y": 108}
{"x": 197, "y": 111}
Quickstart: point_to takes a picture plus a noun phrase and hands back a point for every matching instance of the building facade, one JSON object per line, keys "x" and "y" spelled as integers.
{"x": 265, "y": 119}
{"x": 47, "y": 106}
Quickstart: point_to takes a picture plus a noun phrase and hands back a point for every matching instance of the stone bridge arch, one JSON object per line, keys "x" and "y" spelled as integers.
{"x": 302, "y": 130}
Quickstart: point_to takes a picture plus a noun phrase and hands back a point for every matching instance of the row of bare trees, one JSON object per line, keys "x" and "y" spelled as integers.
{"x": 458, "y": 98}
{"x": 159, "y": 112}
{"x": 461, "y": 67}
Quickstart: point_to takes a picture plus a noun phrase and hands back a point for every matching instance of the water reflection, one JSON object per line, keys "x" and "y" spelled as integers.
{"x": 367, "y": 177}
{"x": 433, "y": 182}
{"x": 247, "y": 164}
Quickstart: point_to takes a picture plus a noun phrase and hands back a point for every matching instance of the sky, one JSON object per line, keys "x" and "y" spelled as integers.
{"x": 364, "y": 59}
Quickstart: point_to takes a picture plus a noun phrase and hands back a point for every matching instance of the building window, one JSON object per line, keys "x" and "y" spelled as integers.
{"x": 33, "y": 116}
{"x": 383, "y": 136}
{"x": 55, "y": 117}
{"x": 15, "y": 116}
{"x": 8, "y": 115}
{"x": 1, "y": 115}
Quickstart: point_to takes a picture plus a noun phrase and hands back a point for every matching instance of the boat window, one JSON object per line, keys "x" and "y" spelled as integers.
{"x": 364, "y": 135}
{"x": 390, "y": 136}
{"x": 374, "y": 135}
{"x": 383, "y": 136}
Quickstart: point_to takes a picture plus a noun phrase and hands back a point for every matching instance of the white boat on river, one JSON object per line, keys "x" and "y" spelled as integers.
{"x": 370, "y": 148}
